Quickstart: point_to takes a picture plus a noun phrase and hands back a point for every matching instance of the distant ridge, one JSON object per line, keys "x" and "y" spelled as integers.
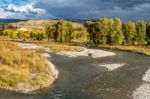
{"x": 19, "y": 20}
{"x": 11, "y": 20}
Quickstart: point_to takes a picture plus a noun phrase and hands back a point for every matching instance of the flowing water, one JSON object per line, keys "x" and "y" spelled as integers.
{"x": 82, "y": 78}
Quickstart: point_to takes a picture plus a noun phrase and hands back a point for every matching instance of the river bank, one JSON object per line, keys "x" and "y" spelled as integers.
{"x": 52, "y": 76}
{"x": 23, "y": 69}
{"x": 137, "y": 49}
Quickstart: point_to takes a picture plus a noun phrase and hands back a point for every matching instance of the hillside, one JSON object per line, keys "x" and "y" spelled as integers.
{"x": 36, "y": 25}
{"x": 10, "y": 20}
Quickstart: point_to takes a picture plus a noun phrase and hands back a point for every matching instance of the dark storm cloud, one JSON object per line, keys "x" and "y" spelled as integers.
{"x": 87, "y": 9}
{"x": 126, "y": 9}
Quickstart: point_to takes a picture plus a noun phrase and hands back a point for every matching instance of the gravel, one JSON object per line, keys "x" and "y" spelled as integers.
{"x": 143, "y": 91}
{"x": 94, "y": 53}
{"x": 111, "y": 67}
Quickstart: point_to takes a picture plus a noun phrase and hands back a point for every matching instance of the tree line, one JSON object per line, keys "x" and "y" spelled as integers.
{"x": 105, "y": 31}
{"x": 24, "y": 35}
{"x": 114, "y": 32}
{"x": 64, "y": 31}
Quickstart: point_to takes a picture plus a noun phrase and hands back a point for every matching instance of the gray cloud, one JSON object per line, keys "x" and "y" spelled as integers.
{"x": 92, "y": 9}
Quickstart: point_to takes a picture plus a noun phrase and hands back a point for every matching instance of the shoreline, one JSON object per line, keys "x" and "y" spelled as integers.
{"x": 135, "y": 49}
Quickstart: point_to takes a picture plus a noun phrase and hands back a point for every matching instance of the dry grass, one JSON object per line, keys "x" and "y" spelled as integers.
{"x": 55, "y": 46}
{"x": 61, "y": 47}
{"x": 139, "y": 49}
{"x": 19, "y": 65}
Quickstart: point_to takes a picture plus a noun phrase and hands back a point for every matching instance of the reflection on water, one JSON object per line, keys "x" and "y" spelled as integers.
{"x": 81, "y": 78}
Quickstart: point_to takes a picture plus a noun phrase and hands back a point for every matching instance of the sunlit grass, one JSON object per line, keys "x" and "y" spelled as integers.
{"x": 19, "y": 65}
{"x": 61, "y": 47}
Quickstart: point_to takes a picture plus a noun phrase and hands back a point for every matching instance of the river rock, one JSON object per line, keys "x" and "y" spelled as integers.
{"x": 146, "y": 76}
{"x": 143, "y": 92}
{"x": 111, "y": 67}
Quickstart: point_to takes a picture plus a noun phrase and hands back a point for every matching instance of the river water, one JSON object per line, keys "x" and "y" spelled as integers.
{"x": 82, "y": 78}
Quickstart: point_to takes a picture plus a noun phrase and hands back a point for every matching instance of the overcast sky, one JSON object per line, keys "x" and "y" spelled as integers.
{"x": 75, "y": 9}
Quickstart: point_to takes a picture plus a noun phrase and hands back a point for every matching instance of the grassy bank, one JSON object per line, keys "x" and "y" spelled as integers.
{"x": 22, "y": 70}
{"x": 138, "y": 49}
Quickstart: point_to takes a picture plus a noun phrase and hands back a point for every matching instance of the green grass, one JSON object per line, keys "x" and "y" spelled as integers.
{"x": 138, "y": 49}
{"x": 17, "y": 66}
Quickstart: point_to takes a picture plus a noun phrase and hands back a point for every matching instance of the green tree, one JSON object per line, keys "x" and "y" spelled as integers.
{"x": 64, "y": 30}
{"x": 80, "y": 36}
{"x": 130, "y": 33}
{"x": 91, "y": 29}
{"x": 141, "y": 32}
{"x": 25, "y": 35}
{"x": 51, "y": 32}
{"x": 61, "y": 31}
{"x": 70, "y": 30}
{"x": 104, "y": 29}
{"x": 13, "y": 34}
{"x": 117, "y": 36}
{"x": 148, "y": 34}
{"x": 40, "y": 35}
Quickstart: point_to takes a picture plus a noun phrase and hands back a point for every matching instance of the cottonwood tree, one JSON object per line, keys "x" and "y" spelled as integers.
{"x": 90, "y": 26}
{"x": 117, "y": 36}
{"x": 148, "y": 34}
{"x": 141, "y": 32}
{"x": 50, "y": 32}
{"x": 60, "y": 32}
{"x": 130, "y": 33}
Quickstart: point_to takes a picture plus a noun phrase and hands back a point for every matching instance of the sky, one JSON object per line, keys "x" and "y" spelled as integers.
{"x": 75, "y": 9}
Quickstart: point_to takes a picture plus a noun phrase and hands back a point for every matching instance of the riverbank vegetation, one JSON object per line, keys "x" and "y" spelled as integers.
{"x": 108, "y": 31}
{"x": 105, "y": 31}
{"x": 138, "y": 49}
{"x": 114, "y": 34}
{"x": 22, "y": 70}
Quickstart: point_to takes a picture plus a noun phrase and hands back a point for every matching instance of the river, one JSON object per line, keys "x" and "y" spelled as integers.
{"x": 81, "y": 78}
